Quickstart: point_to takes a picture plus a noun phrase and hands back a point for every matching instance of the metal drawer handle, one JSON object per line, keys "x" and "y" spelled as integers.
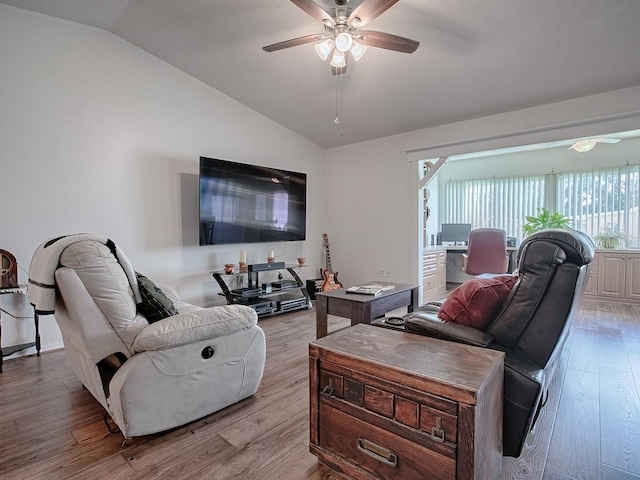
{"x": 381, "y": 454}
{"x": 437, "y": 433}
{"x": 328, "y": 389}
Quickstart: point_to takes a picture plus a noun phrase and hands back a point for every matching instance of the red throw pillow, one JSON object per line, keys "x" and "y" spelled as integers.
{"x": 476, "y": 302}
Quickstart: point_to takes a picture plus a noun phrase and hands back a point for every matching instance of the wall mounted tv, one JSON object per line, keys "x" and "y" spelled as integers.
{"x": 242, "y": 203}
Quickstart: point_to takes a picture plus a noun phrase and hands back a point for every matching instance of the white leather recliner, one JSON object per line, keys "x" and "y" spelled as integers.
{"x": 151, "y": 377}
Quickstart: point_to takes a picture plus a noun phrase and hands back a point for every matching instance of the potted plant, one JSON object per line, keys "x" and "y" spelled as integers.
{"x": 611, "y": 239}
{"x": 545, "y": 220}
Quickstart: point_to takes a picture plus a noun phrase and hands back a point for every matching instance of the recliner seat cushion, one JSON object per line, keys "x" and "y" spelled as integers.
{"x": 476, "y": 302}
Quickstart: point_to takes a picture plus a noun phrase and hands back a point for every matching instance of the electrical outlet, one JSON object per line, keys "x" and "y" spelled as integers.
{"x": 388, "y": 273}
{"x": 383, "y": 272}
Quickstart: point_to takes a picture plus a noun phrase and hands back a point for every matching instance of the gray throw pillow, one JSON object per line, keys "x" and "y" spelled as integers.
{"x": 155, "y": 304}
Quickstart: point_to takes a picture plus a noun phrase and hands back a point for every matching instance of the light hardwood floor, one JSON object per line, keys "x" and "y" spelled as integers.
{"x": 52, "y": 428}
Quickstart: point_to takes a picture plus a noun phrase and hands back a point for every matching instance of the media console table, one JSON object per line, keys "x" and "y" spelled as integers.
{"x": 265, "y": 302}
{"x": 5, "y": 352}
{"x": 394, "y": 405}
{"x": 363, "y": 308}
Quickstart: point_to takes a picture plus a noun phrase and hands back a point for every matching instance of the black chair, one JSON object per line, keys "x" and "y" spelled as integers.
{"x": 531, "y": 328}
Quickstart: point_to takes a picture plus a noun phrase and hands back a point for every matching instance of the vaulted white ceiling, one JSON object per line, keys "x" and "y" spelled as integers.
{"x": 476, "y": 57}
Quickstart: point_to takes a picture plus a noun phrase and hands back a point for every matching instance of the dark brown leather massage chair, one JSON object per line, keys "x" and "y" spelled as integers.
{"x": 531, "y": 328}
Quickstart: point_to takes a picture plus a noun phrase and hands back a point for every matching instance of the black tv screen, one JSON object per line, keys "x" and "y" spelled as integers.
{"x": 242, "y": 203}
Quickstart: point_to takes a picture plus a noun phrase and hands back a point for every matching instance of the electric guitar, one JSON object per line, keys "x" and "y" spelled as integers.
{"x": 331, "y": 281}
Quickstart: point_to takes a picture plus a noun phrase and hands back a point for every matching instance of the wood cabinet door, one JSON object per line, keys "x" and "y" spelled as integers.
{"x": 442, "y": 272}
{"x": 612, "y": 274}
{"x": 591, "y": 289}
{"x": 429, "y": 276}
{"x": 633, "y": 276}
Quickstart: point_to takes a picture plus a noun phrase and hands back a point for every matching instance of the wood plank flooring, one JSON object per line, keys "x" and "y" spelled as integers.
{"x": 52, "y": 428}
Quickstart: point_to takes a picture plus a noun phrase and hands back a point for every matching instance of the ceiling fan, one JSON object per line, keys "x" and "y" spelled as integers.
{"x": 584, "y": 146}
{"x": 342, "y": 32}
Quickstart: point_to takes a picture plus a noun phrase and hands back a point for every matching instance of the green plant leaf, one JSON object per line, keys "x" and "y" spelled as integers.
{"x": 545, "y": 220}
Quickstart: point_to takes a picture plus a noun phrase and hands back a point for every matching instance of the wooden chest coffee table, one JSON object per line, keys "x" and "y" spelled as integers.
{"x": 395, "y": 405}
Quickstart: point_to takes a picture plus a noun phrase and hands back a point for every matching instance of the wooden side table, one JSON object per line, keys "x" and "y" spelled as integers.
{"x": 395, "y": 405}
{"x": 363, "y": 308}
{"x": 5, "y": 352}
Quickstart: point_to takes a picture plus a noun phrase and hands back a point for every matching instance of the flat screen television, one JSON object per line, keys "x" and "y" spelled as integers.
{"x": 455, "y": 233}
{"x": 242, "y": 203}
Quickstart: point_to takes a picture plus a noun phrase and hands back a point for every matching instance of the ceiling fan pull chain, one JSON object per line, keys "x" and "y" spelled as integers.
{"x": 338, "y": 103}
{"x": 337, "y": 119}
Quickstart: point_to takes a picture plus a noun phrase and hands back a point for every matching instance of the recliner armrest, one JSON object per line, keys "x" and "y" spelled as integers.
{"x": 168, "y": 291}
{"x": 428, "y": 324}
{"x": 190, "y": 327}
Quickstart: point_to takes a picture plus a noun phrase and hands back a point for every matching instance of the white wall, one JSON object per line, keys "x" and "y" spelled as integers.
{"x": 373, "y": 206}
{"x": 97, "y": 135}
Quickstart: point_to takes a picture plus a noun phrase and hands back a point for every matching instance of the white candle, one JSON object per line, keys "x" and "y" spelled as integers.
{"x": 243, "y": 256}
{"x": 272, "y": 254}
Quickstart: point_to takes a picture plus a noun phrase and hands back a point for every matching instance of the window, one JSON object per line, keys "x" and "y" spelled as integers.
{"x": 602, "y": 200}
{"x": 594, "y": 200}
{"x": 494, "y": 202}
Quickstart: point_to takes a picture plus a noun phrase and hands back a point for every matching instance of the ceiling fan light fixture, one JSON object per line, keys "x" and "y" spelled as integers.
{"x": 343, "y": 42}
{"x": 323, "y": 49}
{"x": 338, "y": 60}
{"x": 358, "y": 50}
{"x": 583, "y": 146}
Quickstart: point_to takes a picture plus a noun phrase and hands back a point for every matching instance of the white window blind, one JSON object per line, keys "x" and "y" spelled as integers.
{"x": 601, "y": 200}
{"x": 493, "y": 202}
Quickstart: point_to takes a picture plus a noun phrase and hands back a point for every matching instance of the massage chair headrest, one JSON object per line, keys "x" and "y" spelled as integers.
{"x": 578, "y": 246}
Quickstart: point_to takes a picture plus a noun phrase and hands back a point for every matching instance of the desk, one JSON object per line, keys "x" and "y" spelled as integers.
{"x": 435, "y": 289}
{"x": 362, "y": 308}
{"x": 5, "y": 352}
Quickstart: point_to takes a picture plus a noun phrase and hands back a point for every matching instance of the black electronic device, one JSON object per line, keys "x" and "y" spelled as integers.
{"x": 261, "y": 267}
{"x": 264, "y": 308}
{"x": 511, "y": 241}
{"x": 291, "y": 303}
{"x": 284, "y": 284}
{"x": 246, "y": 292}
{"x": 242, "y": 203}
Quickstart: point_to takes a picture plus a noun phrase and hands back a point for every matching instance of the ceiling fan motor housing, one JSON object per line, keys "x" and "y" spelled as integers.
{"x": 342, "y": 2}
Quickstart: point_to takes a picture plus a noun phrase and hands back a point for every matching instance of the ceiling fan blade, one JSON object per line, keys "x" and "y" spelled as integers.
{"x": 294, "y": 42}
{"x": 370, "y": 10}
{"x": 315, "y": 11}
{"x": 607, "y": 140}
{"x": 388, "y": 41}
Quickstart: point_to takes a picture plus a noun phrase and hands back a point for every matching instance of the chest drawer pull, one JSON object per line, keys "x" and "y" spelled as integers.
{"x": 328, "y": 389}
{"x": 381, "y": 454}
{"x": 437, "y": 433}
